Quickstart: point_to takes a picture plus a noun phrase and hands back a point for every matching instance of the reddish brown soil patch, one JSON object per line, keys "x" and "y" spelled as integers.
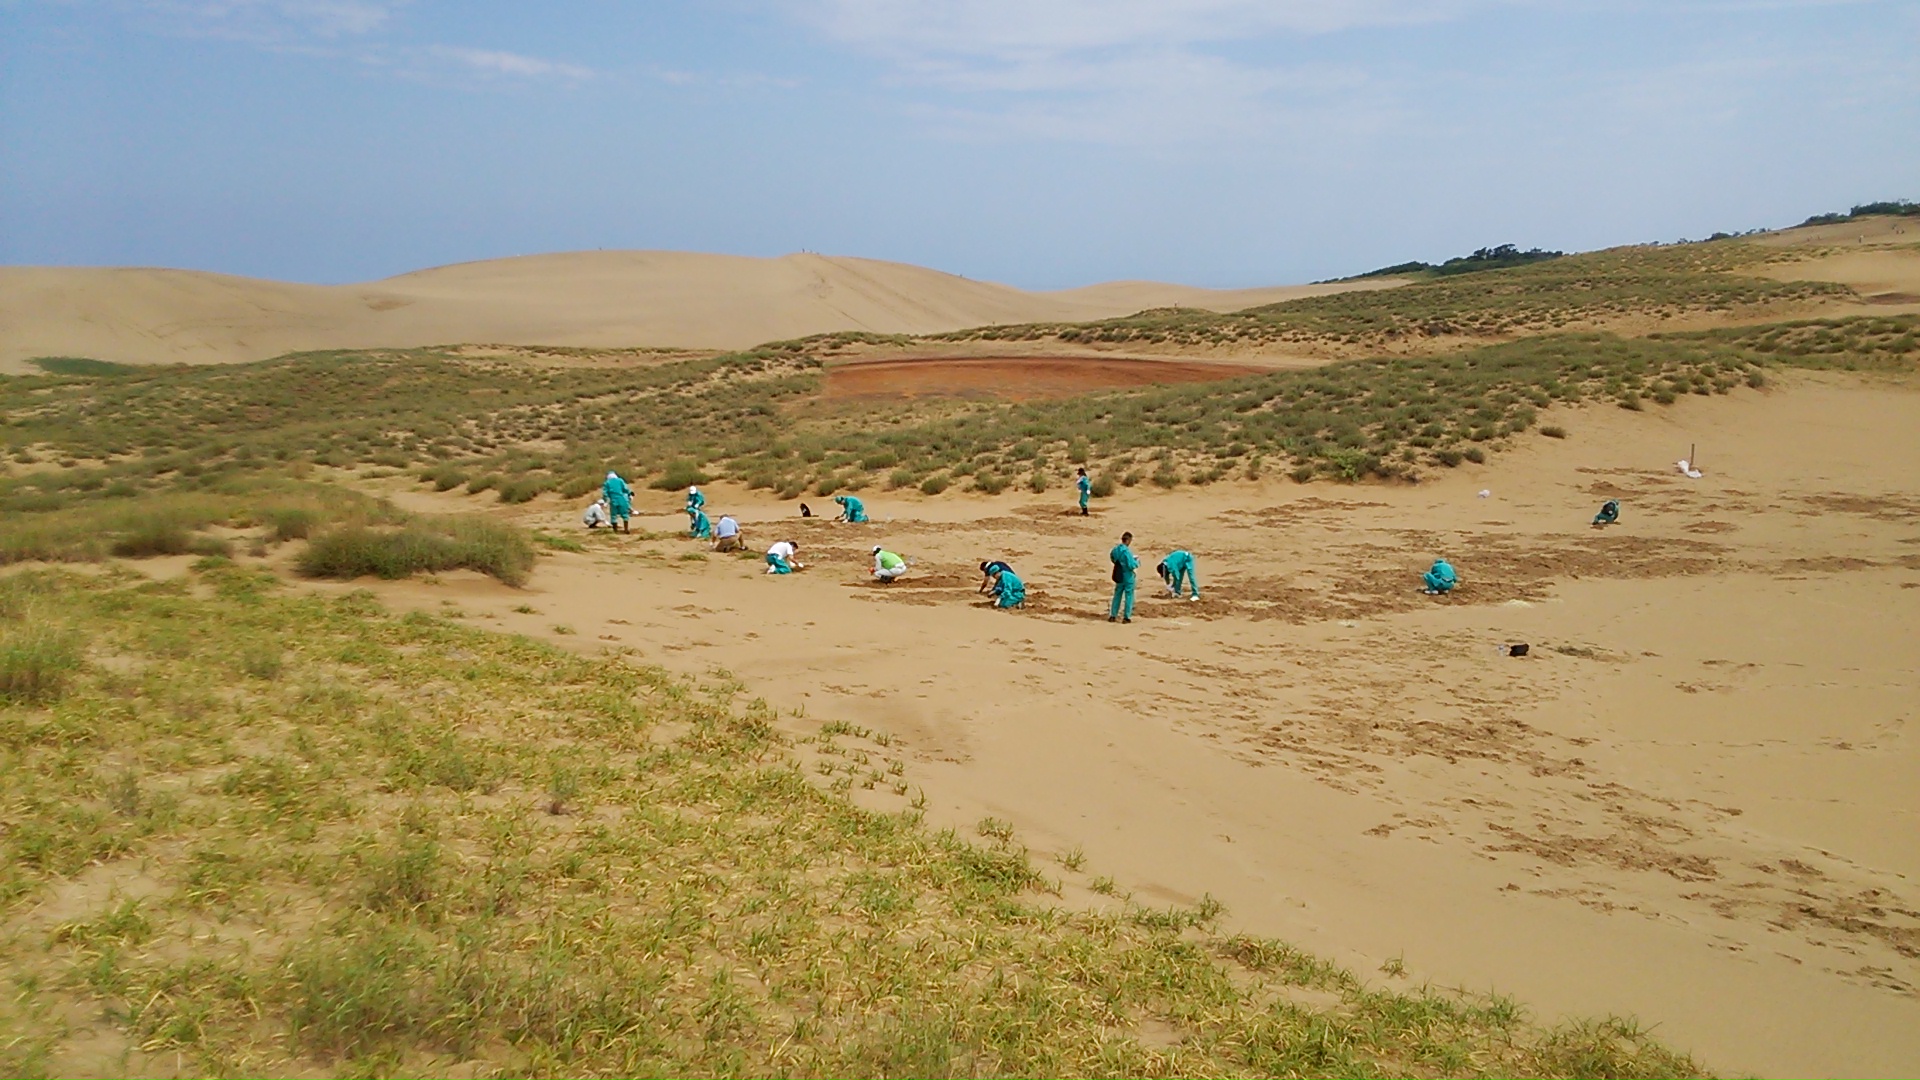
{"x": 1014, "y": 378}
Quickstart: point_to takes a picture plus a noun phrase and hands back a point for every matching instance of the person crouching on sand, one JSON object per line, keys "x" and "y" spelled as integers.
{"x": 783, "y": 558}
{"x": 852, "y": 510}
{"x": 1008, "y": 590}
{"x": 1441, "y": 579}
{"x": 1176, "y": 569}
{"x": 726, "y": 534}
{"x": 596, "y": 515}
{"x": 698, "y": 526}
{"x": 987, "y": 572}
{"x": 887, "y": 565}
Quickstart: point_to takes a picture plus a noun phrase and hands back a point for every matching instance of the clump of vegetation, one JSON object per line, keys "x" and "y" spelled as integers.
{"x": 1892, "y": 207}
{"x": 1487, "y": 258}
{"x": 422, "y": 545}
{"x": 441, "y": 847}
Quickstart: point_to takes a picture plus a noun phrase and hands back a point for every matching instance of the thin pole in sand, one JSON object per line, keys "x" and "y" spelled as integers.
{"x": 1693, "y": 462}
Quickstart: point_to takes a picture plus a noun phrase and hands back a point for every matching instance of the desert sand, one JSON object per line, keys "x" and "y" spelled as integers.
{"x": 1694, "y": 800}
{"x": 601, "y": 299}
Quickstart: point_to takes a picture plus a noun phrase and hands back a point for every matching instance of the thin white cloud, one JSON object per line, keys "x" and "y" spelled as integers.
{"x": 271, "y": 21}
{"x": 495, "y": 62}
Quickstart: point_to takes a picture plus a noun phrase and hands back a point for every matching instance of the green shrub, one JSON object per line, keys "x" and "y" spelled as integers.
{"x": 481, "y": 483}
{"x": 578, "y": 487}
{"x": 36, "y": 661}
{"x": 290, "y": 522}
{"x": 1037, "y": 483}
{"x": 1554, "y": 431}
{"x": 681, "y": 473}
{"x": 1476, "y": 455}
{"x": 151, "y": 535}
{"x": 1102, "y": 486}
{"x": 427, "y": 544}
{"x": 988, "y": 483}
{"x": 522, "y": 489}
{"x": 901, "y": 478}
{"x": 1448, "y": 456}
{"x": 935, "y": 484}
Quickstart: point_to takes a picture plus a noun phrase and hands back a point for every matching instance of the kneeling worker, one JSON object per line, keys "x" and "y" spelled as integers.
{"x": 988, "y": 570}
{"x": 1177, "y": 568}
{"x": 1008, "y": 590}
{"x": 852, "y": 510}
{"x": 1441, "y": 579}
{"x": 783, "y": 558}
{"x": 726, "y": 534}
{"x": 1608, "y": 515}
{"x": 698, "y": 526}
{"x": 596, "y": 515}
{"x": 887, "y": 565}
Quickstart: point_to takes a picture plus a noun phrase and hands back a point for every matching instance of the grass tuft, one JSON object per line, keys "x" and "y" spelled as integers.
{"x": 424, "y": 545}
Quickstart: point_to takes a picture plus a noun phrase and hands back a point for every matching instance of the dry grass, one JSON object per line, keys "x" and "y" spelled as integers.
{"x": 307, "y": 836}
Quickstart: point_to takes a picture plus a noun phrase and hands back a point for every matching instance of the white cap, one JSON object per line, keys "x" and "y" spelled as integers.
{"x": 692, "y": 489}
{"x": 876, "y": 549}
{"x": 613, "y": 476}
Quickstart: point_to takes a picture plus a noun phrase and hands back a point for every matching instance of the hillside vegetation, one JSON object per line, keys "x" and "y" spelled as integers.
{"x": 255, "y": 833}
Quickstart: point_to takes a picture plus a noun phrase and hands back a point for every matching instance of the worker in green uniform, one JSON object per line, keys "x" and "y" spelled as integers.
{"x": 1124, "y": 566}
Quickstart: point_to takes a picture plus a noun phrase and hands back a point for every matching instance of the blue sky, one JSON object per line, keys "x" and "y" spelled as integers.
{"x": 1044, "y": 143}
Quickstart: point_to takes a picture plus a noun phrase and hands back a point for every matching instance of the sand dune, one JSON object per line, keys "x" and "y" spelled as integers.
{"x": 1693, "y": 801}
{"x": 592, "y": 298}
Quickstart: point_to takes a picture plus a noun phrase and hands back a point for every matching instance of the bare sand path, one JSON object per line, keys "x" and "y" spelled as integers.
{"x": 1696, "y": 800}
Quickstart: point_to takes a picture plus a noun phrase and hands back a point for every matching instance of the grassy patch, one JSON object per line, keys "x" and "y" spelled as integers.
{"x": 81, "y": 366}
{"x": 423, "y": 545}
{"x": 418, "y": 845}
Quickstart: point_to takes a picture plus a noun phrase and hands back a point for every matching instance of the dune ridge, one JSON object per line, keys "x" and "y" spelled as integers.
{"x": 587, "y": 298}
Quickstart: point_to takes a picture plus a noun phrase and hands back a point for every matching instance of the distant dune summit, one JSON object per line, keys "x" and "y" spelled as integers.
{"x": 589, "y": 298}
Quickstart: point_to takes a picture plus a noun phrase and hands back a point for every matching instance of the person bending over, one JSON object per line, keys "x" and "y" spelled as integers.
{"x": 1008, "y": 590}
{"x": 726, "y": 534}
{"x": 851, "y": 509}
{"x": 1609, "y": 514}
{"x": 887, "y": 565}
{"x": 1177, "y": 569}
{"x": 783, "y": 558}
{"x": 1441, "y": 579}
{"x": 596, "y": 515}
{"x": 987, "y": 571}
{"x": 698, "y": 526}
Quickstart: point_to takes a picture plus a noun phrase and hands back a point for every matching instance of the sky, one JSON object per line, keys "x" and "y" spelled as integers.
{"x": 1041, "y": 143}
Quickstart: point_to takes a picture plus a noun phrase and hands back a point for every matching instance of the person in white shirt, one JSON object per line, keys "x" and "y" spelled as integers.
{"x": 596, "y": 515}
{"x": 783, "y": 558}
{"x": 726, "y": 534}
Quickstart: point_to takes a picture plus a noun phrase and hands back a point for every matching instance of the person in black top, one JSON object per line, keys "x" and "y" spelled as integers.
{"x": 987, "y": 572}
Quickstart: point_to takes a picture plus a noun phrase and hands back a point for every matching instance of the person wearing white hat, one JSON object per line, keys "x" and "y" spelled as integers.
{"x": 619, "y": 502}
{"x": 887, "y": 565}
{"x": 695, "y": 500}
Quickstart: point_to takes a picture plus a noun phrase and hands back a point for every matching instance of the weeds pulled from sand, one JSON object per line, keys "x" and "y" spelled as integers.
{"x": 272, "y": 834}
{"x": 1567, "y": 293}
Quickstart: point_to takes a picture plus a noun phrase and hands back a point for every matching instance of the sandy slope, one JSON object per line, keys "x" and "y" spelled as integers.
{"x": 591, "y": 298}
{"x": 1695, "y": 801}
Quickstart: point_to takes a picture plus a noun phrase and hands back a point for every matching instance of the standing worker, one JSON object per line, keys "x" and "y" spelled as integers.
{"x": 619, "y": 502}
{"x": 852, "y": 510}
{"x": 698, "y": 526}
{"x": 1176, "y": 568}
{"x": 1086, "y": 490}
{"x": 1124, "y": 565}
{"x": 887, "y": 565}
{"x": 783, "y": 558}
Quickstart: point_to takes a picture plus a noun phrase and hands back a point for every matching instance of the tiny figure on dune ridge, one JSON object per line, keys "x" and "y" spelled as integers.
{"x": 852, "y": 510}
{"x": 1177, "y": 569}
{"x": 1085, "y": 484}
{"x": 887, "y": 565}
{"x": 1124, "y": 566}
{"x": 1441, "y": 579}
{"x": 619, "y": 502}
{"x": 784, "y": 558}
